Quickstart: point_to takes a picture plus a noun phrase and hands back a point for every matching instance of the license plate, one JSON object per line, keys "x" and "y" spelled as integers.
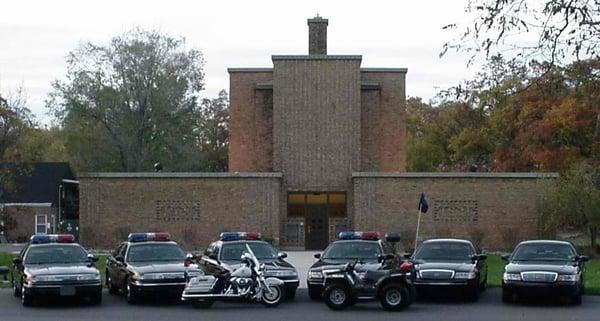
{"x": 67, "y": 290}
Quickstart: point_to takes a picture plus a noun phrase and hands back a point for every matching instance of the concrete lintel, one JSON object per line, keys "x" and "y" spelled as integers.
{"x": 182, "y": 175}
{"x": 453, "y": 175}
{"x": 25, "y": 204}
{"x": 265, "y": 85}
{"x": 370, "y": 85}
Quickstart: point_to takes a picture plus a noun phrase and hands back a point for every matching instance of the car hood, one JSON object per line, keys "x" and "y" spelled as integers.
{"x": 558, "y": 267}
{"x": 58, "y": 269}
{"x": 161, "y": 267}
{"x": 269, "y": 265}
{"x": 455, "y": 266}
{"x": 332, "y": 264}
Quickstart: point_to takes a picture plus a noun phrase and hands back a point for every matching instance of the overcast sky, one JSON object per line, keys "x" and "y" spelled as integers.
{"x": 35, "y": 36}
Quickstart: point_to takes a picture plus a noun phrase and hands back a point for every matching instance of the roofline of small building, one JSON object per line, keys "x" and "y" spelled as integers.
{"x": 387, "y": 70}
{"x": 453, "y": 175}
{"x": 180, "y": 175}
{"x": 316, "y": 57}
{"x": 250, "y": 69}
{"x": 26, "y": 204}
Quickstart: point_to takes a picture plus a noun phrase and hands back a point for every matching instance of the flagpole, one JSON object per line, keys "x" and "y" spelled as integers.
{"x": 418, "y": 225}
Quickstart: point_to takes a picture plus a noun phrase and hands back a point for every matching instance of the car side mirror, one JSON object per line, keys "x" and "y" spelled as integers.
{"x": 120, "y": 259}
{"x": 17, "y": 261}
{"x": 213, "y": 256}
{"x": 582, "y": 258}
{"x": 382, "y": 258}
{"x": 505, "y": 257}
{"x": 281, "y": 255}
{"x": 92, "y": 258}
{"x": 478, "y": 257}
{"x": 317, "y": 255}
{"x": 407, "y": 255}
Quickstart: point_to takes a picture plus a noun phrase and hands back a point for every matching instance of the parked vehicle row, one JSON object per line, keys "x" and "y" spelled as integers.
{"x": 241, "y": 267}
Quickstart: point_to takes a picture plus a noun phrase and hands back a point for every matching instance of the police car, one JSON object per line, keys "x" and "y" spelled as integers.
{"x": 366, "y": 248}
{"x": 226, "y": 252}
{"x": 54, "y": 265}
{"x": 147, "y": 263}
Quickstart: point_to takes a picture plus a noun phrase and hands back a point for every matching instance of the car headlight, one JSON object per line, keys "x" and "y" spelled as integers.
{"x": 152, "y": 276}
{"x": 315, "y": 275}
{"x": 88, "y": 277}
{"x": 511, "y": 277}
{"x": 568, "y": 278}
{"x": 46, "y": 278}
{"x": 465, "y": 275}
{"x": 193, "y": 274}
{"x": 281, "y": 273}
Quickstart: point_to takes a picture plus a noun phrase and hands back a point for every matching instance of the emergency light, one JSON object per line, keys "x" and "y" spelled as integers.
{"x": 352, "y": 235}
{"x": 236, "y": 236}
{"x": 52, "y": 238}
{"x": 145, "y": 237}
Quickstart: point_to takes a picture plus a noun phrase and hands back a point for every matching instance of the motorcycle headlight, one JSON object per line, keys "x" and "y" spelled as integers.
{"x": 568, "y": 278}
{"x": 511, "y": 277}
{"x": 315, "y": 275}
{"x": 465, "y": 275}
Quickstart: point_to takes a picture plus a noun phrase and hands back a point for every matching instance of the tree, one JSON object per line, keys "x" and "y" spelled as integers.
{"x": 213, "y": 132}
{"x": 575, "y": 201}
{"x": 131, "y": 103}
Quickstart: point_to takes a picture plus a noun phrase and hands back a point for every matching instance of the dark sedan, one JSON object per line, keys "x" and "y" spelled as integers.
{"x": 450, "y": 264}
{"x": 54, "y": 265}
{"x": 543, "y": 268}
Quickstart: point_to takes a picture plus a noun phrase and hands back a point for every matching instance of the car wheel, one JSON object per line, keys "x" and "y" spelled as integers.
{"x": 395, "y": 297}
{"x": 96, "y": 298}
{"x": 337, "y": 296}
{"x": 473, "y": 293}
{"x": 314, "y": 293}
{"x": 272, "y": 296}
{"x": 203, "y": 304}
{"x": 26, "y": 299}
{"x": 132, "y": 298}
{"x": 112, "y": 289}
{"x": 507, "y": 296}
{"x": 576, "y": 299}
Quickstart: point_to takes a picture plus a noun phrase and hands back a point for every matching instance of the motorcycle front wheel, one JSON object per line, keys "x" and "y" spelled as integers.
{"x": 272, "y": 296}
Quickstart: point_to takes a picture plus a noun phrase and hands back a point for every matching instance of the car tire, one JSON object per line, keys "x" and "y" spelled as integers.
{"x": 473, "y": 293}
{"x": 16, "y": 292}
{"x": 314, "y": 293}
{"x": 203, "y": 304}
{"x": 507, "y": 296}
{"x": 394, "y": 297}
{"x": 96, "y": 298}
{"x": 112, "y": 289}
{"x": 130, "y": 295}
{"x": 26, "y": 299}
{"x": 337, "y": 296}
{"x": 576, "y": 299}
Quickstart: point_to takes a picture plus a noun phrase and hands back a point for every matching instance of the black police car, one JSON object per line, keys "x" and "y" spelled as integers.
{"x": 450, "y": 264}
{"x": 351, "y": 246}
{"x": 230, "y": 247}
{"x": 148, "y": 263}
{"x": 55, "y": 265}
{"x": 543, "y": 268}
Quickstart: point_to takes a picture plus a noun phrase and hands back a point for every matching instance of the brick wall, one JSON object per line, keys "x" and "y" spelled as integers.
{"x": 24, "y": 217}
{"x": 494, "y": 209}
{"x": 193, "y": 207}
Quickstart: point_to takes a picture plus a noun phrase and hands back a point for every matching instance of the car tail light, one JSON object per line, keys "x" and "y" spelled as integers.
{"x": 406, "y": 266}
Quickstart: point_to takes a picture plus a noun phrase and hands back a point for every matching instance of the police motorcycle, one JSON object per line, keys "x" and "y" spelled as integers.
{"x": 346, "y": 285}
{"x": 246, "y": 283}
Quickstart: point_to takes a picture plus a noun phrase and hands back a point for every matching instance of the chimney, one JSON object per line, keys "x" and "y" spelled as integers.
{"x": 317, "y": 36}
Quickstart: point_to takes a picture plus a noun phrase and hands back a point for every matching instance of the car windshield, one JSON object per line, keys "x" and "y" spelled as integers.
{"x": 155, "y": 252}
{"x": 48, "y": 254}
{"x": 444, "y": 251}
{"x": 234, "y": 251}
{"x": 544, "y": 252}
{"x": 352, "y": 250}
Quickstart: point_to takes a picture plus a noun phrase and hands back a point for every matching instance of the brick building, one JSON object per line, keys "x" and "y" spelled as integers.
{"x": 317, "y": 145}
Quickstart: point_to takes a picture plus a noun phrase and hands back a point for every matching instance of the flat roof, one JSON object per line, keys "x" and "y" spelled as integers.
{"x": 180, "y": 175}
{"x": 250, "y": 69}
{"x": 452, "y": 175}
{"x": 400, "y": 70}
{"x": 316, "y": 57}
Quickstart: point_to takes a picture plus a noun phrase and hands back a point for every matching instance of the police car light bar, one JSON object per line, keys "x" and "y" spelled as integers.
{"x": 236, "y": 236}
{"x": 52, "y": 238}
{"x": 351, "y": 235}
{"x": 145, "y": 237}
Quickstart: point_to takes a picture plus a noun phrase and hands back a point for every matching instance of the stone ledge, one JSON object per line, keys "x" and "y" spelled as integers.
{"x": 316, "y": 57}
{"x": 180, "y": 175}
{"x": 232, "y": 70}
{"x": 452, "y": 175}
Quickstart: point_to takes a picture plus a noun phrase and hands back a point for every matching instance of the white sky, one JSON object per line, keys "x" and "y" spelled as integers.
{"x": 35, "y": 36}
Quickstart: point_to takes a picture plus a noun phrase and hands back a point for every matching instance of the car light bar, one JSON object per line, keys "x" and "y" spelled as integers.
{"x": 52, "y": 238}
{"x": 145, "y": 237}
{"x": 352, "y": 235}
{"x": 236, "y": 236}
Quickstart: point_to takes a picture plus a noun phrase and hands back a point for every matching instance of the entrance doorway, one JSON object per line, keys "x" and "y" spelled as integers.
{"x": 315, "y": 216}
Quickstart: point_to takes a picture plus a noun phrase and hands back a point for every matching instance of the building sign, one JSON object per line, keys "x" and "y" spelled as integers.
{"x": 455, "y": 210}
{"x": 176, "y": 210}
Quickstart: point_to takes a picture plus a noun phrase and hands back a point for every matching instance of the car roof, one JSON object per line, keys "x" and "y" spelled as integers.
{"x": 54, "y": 244}
{"x": 546, "y": 241}
{"x": 153, "y": 242}
{"x": 448, "y": 240}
